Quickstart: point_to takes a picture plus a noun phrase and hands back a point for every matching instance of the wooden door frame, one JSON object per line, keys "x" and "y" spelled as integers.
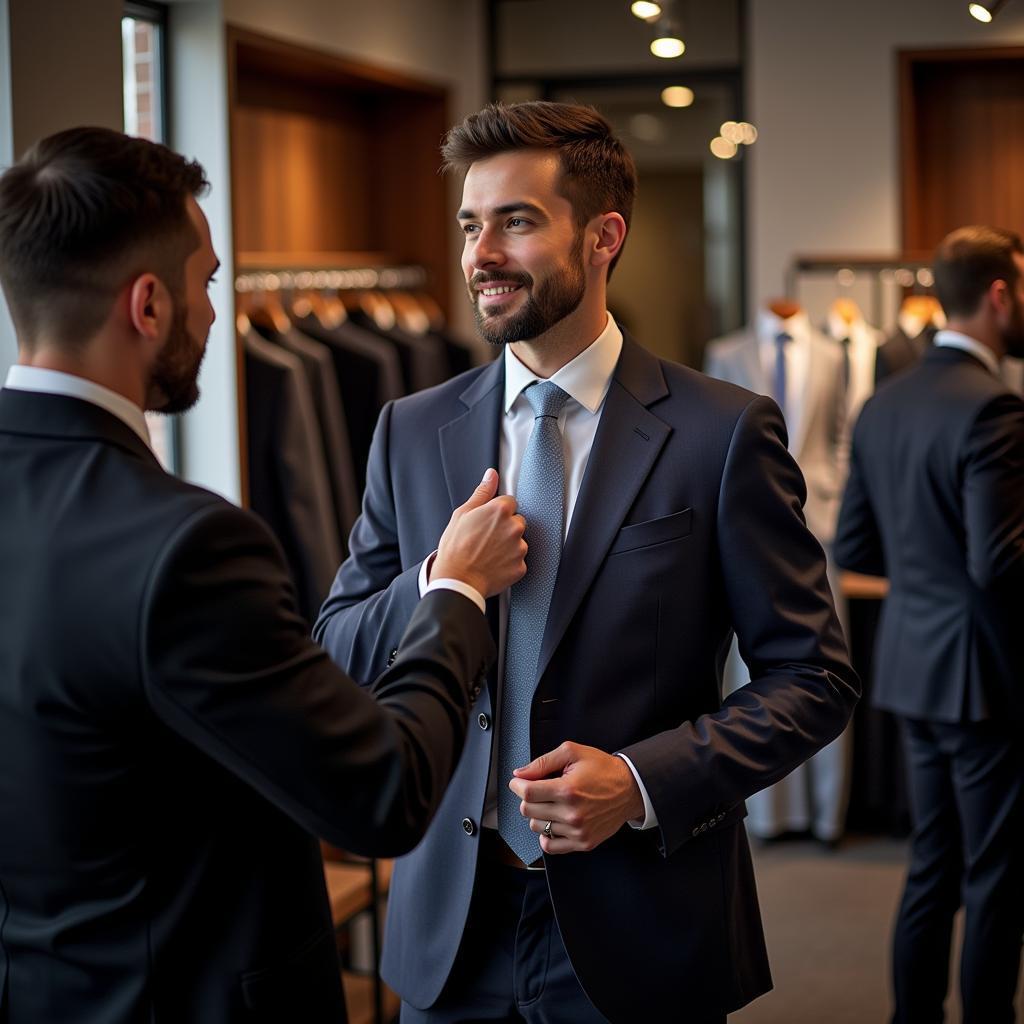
{"x": 908, "y": 60}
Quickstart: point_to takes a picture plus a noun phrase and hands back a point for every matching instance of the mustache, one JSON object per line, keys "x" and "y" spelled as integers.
{"x": 485, "y": 277}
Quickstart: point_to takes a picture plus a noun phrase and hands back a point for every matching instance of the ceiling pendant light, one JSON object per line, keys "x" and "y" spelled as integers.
{"x": 646, "y": 10}
{"x": 986, "y": 10}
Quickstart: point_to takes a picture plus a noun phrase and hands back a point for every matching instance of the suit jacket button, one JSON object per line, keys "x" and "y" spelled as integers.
{"x": 485, "y": 722}
{"x": 468, "y": 826}
{"x": 696, "y": 831}
{"x": 392, "y": 656}
{"x": 473, "y": 694}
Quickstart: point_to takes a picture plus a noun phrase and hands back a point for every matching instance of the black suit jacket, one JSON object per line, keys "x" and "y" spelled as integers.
{"x": 170, "y": 740}
{"x": 687, "y": 525}
{"x": 935, "y": 501}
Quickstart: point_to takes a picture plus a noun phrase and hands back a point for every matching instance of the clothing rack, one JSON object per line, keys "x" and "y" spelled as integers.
{"x": 348, "y": 279}
{"x": 883, "y": 271}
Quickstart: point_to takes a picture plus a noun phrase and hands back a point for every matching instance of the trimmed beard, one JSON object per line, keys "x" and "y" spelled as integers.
{"x": 555, "y": 298}
{"x": 174, "y": 381}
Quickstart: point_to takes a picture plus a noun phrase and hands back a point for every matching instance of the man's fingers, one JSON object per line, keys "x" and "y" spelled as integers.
{"x": 485, "y": 490}
{"x": 547, "y": 764}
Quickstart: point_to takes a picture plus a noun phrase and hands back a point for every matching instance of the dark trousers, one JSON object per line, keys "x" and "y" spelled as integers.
{"x": 511, "y": 966}
{"x": 966, "y": 787}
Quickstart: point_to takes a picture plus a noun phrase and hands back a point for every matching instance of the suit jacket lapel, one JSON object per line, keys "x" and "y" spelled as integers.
{"x": 469, "y": 445}
{"x": 757, "y": 381}
{"x": 628, "y": 440}
{"x": 809, "y": 400}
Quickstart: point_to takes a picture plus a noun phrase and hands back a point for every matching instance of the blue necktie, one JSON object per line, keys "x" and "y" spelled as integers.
{"x": 781, "y": 341}
{"x": 540, "y": 497}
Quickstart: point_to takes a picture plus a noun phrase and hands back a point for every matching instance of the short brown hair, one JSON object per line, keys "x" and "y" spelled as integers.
{"x": 82, "y": 213}
{"x": 968, "y": 260}
{"x": 598, "y": 174}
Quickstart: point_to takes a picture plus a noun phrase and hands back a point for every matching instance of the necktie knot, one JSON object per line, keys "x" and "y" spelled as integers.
{"x": 782, "y": 339}
{"x": 546, "y": 398}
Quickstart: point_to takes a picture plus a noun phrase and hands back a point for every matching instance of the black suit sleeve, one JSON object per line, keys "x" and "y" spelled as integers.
{"x": 227, "y": 664}
{"x": 858, "y": 543}
{"x": 993, "y": 494}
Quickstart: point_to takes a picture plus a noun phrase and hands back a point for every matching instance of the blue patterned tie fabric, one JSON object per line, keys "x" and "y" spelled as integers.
{"x": 781, "y": 341}
{"x": 540, "y": 496}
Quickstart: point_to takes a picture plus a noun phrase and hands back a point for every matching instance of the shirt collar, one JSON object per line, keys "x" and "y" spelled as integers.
{"x": 770, "y": 326}
{"x": 585, "y": 378}
{"x": 954, "y": 339}
{"x": 54, "y": 382}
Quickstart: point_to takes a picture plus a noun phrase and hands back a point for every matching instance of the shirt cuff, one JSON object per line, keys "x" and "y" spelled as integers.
{"x": 424, "y": 576}
{"x": 650, "y": 819}
{"x": 466, "y": 591}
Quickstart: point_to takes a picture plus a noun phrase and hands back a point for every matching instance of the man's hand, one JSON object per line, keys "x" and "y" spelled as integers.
{"x": 483, "y": 543}
{"x": 594, "y": 795}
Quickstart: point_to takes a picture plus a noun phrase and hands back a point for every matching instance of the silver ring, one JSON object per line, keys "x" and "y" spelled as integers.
{"x": 547, "y": 830}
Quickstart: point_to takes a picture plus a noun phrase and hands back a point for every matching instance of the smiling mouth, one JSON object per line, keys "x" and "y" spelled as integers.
{"x": 503, "y": 289}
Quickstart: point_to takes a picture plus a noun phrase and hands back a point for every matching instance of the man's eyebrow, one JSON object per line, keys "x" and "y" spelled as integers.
{"x": 520, "y": 206}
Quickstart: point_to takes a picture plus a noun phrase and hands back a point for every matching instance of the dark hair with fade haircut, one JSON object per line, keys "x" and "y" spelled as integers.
{"x": 968, "y": 260}
{"x": 82, "y": 213}
{"x": 598, "y": 173}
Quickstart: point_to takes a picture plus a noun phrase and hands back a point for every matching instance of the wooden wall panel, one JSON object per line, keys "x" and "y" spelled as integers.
{"x": 963, "y": 143}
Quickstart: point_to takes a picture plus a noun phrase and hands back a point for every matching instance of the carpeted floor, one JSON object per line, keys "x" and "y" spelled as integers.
{"x": 828, "y": 919}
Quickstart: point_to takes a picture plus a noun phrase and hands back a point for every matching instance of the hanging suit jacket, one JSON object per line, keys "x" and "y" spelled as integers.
{"x": 288, "y": 482}
{"x": 935, "y": 501}
{"x": 369, "y": 375}
{"x": 687, "y": 525}
{"x": 170, "y": 741}
{"x": 900, "y": 351}
{"x": 819, "y": 442}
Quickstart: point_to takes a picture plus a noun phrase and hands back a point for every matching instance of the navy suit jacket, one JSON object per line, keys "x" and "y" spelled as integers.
{"x": 688, "y": 524}
{"x": 935, "y": 500}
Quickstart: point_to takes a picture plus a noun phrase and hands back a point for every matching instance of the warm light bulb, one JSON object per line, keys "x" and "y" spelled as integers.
{"x": 646, "y": 10}
{"x": 668, "y": 46}
{"x": 980, "y": 11}
{"x": 723, "y": 148}
{"x": 748, "y": 133}
{"x": 731, "y": 130}
{"x": 677, "y": 96}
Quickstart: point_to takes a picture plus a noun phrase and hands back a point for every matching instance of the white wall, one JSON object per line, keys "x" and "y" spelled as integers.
{"x": 440, "y": 41}
{"x": 8, "y": 344}
{"x": 199, "y": 118}
{"x": 823, "y": 92}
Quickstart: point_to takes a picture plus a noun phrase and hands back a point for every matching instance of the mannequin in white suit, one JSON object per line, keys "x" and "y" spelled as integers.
{"x": 813, "y": 797}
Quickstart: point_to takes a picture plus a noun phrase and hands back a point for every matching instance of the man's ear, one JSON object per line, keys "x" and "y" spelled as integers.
{"x": 149, "y": 307}
{"x": 611, "y": 235}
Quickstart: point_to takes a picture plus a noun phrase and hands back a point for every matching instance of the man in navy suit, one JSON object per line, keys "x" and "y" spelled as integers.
{"x": 935, "y": 500}
{"x": 632, "y": 895}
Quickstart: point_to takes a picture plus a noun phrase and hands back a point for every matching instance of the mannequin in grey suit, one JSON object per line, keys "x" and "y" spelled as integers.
{"x": 814, "y": 796}
{"x": 638, "y": 902}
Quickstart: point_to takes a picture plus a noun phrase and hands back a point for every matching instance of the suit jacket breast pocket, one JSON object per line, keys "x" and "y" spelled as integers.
{"x": 654, "y": 531}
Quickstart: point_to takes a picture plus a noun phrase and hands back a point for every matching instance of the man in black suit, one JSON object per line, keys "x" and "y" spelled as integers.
{"x": 935, "y": 501}
{"x": 664, "y": 512}
{"x": 170, "y": 739}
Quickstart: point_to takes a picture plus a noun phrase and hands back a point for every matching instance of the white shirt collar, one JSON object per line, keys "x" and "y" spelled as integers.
{"x": 770, "y": 326}
{"x": 954, "y": 339}
{"x": 54, "y": 382}
{"x": 585, "y": 378}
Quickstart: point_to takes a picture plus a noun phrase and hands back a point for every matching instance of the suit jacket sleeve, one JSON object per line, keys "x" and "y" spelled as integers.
{"x": 802, "y": 689}
{"x": 993, "y": 494}
{"x": 858, "y": 543}
{"x": 227, "y": 665}
{"x": 372, "y": 598}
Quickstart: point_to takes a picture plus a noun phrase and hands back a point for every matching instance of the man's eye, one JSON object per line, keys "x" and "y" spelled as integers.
{"x": 469, "y": 228}
{"x": 517, "y": 222}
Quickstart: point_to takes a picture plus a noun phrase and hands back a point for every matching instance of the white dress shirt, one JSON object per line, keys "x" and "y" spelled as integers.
{"x": 954, "y": 339}
{"x": 797, "y": 356}
{"x": 54, "y": 382}
{"x": 585, "y": 380}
